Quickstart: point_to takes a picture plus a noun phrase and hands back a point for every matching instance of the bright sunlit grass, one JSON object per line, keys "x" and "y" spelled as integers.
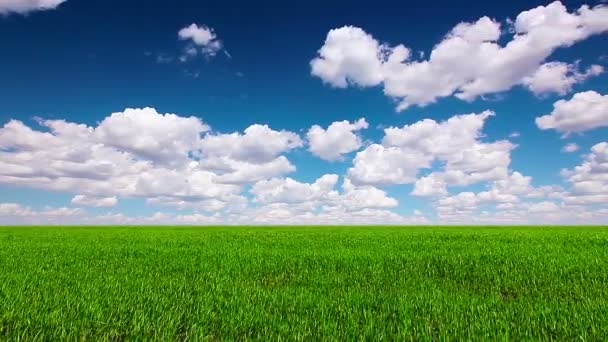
{"x": 314, "y": 283}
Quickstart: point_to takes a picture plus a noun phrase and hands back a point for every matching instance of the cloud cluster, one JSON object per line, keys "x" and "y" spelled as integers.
{"x": 455, "y": 143}
{"x": 322, "y": 194}
{"x": 469, "y": 62}
{"x": 240, "y": 177}
{"x": 589, "y": 180}
{"x": 164, "y": 158}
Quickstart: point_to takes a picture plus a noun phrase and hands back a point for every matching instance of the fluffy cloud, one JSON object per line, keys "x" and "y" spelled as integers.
{"x": 510, "y": 200}
{"x": 505, "y": 193}
{"x": 558, "y": 77}
{"x": 589, "y": 180}
{"x": 455, "y": 143}
{"x": 258, "y": 144}
{"x": 349, "y": 56}
{"x": 202, "y": 37}
{"x": 147, "y": 134}
{"x": 249, "y": 157}
{"x": 585, "y": 111}
{"x": 25, "y": 6}
{"x": 142, "y": 153}
{"x": 515, "y": 200}
{"x": 468, "y": 62}
{"x": 335, "y": 141}
{"x": 321, "y": 194}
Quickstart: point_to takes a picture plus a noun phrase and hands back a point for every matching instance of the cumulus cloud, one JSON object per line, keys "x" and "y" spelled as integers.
{"x": 204, "y": 41}
{"x": 322, "y": 193}
{"x": 150, "y": 135}
{"x": 558, "y": 77}
{"x": 589, "y": 180}
{"x": 469, "y": 61}
{"x": 455, "y": 143}
{"x": 26, "y": 6}
{"x": 335, "y": 141}
{"x": 349, "y": 56}
{"x": 584, "y": 111}
{"x": 258, "y": 144}
{"x": 141, "y": 153}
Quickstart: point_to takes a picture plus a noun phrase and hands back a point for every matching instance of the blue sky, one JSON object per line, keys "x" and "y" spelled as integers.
{"x": 271, "y": 112}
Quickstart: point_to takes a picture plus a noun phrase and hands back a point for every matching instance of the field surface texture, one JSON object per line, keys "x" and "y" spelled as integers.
{"x": 304, "y": 283}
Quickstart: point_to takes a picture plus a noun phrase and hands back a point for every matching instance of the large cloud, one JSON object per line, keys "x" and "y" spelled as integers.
{"x": 455, "y": 143}
{"x": 141, "y": 153}
{"x": 585, "y": 111}
{"x": 469, "y": 62}
{"x": 25, "y": 6}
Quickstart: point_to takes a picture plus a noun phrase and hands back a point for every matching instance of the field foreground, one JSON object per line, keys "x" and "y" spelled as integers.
{"x": 304, "y": 283}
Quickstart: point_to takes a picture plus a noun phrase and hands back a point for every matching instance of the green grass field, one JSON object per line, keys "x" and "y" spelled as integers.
{"x": 304, "y": 283}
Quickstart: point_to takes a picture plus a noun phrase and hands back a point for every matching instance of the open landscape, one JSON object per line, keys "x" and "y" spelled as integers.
{"x": 304, "y": 283}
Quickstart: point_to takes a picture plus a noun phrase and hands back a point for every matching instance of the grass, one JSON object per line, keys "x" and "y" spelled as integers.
{"x": 304, "y": 283}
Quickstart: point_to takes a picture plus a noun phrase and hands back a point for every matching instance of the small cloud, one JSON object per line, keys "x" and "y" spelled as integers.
{"x": 514, "y": 135}
{"x": 571, "y": 147}
{"x": 202, "y": 37}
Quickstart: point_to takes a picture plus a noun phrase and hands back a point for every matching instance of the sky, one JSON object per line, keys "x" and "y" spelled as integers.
{"x": 271, "y": 112}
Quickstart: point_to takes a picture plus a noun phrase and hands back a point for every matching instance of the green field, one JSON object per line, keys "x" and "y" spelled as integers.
{"x": 304, "y": 283}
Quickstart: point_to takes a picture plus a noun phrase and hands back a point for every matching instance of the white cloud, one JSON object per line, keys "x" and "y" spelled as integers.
{"x": 338, "y": 139}
{"x": 558, "y": 77}
{"x": 147, "y": 134}
{"x": 142, "y": 153}
{"x": 202, "y": 37}
{"x": 455, "y": 143}
{"x": 589, "y": 180}
{"x": 585, "y": 111}
{"x": 467, "y": 63}
{"x": 571, "y": 147}
{"x": 258, "y": 144}
{"x": 322, "y": 194}
{"x": 349, "y": 56}
{"x": 287, "y": 190}
{"x": 378, "y": 165}
{"x": 25, "y": 6}
{"x": 238, "y": 172}
{"x": 90, "y": 201}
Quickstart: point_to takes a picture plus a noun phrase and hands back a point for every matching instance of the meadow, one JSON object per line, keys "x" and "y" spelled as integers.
{"x": 304, "y": 283}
